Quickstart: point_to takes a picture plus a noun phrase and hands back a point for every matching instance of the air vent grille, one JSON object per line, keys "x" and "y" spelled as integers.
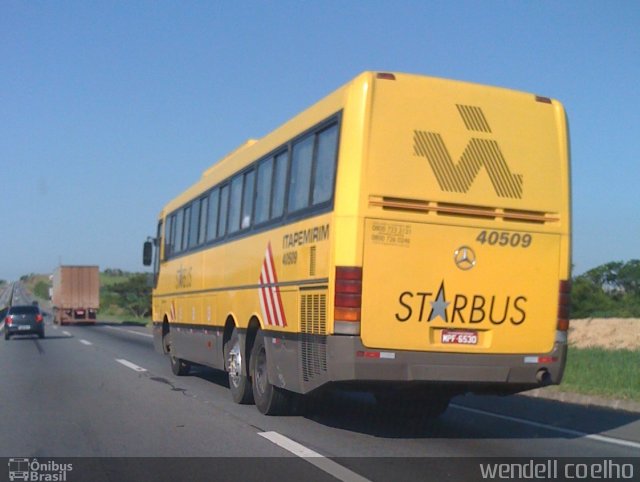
{"x": 313, "y": 325}
{"x": 462, "y": 210}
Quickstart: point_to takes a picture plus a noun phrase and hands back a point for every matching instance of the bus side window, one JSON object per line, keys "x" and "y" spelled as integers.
{"x": 279, "y": 185}
{"x": 325, "y": 166}
{"x": 193, "y": 224}
{"x": 247, "y": 198}
{"x": 168, "y": 236}
{"x": 212, "y": 219}
{"x": 263, "y": 191}
{"x": 176, "y": 234}
{"x": 185, "y": 228}
{"x": 235, "y": 203}
{"x": 202, "y": 230}
{"x": 300, "y": 181}
{"x": 224, "y": 206}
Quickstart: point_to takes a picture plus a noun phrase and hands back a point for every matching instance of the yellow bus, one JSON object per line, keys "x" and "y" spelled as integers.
{"x": 405, "y": 235}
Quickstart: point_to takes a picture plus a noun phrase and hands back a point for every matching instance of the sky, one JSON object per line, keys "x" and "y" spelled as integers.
{"x": 110, "y": 109}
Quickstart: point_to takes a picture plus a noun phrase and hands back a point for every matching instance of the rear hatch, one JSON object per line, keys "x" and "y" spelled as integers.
{"x": 24, "y": 316}
{"x": 466, "y": 228}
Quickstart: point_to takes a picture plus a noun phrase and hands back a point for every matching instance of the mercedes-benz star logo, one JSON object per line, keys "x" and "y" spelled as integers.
{"x": 465, "y": 258}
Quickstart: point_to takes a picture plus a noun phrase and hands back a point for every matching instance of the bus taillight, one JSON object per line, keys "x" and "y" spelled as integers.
{"x": 564, "y": 305}
{"x": 348, "y": 300}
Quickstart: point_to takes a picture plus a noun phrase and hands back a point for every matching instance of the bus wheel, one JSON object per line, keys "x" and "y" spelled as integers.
{"x": 269, "y": 399}
{"x": 239, "y": 382}
{"x": 179, "y": 367}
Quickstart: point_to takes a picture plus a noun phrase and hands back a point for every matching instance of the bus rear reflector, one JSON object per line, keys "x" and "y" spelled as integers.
{"x": 348, "y": 300}
{"x": 564, "y": 305}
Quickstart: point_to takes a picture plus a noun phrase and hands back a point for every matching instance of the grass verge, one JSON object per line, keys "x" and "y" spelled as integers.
{"x": 608, "y": 373}
{"x": 113, "y": 318}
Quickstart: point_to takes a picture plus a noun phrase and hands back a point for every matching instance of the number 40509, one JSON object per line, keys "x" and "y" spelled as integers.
{"x": 501, "y": 238}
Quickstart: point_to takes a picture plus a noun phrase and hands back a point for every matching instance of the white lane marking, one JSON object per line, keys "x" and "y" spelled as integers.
{"x": 85, "y": 342}
{"x": 320, "y": 461}
{"x": 130, "y": 331}
{"x": 128, "y": 364}
{"x": 567, "y": 431}
{"x": 54, "y": 326}
{"x": 66, "y": 333}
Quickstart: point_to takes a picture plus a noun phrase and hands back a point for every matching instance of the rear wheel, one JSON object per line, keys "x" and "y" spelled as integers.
{"x": 269, "y": 399}
{"x": 7, "y": 335}
{"x": 239, "y": 382}
{"x": 179, "y": 367}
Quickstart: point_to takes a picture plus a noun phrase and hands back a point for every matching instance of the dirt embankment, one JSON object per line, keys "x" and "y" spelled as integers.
{"x": 610, "y": 333}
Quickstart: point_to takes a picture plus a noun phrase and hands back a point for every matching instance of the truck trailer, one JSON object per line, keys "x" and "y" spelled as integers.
{"x": 75, "y": 294}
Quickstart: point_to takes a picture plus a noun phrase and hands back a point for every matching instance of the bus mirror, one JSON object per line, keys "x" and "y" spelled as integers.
{"x": 147, "y": 253}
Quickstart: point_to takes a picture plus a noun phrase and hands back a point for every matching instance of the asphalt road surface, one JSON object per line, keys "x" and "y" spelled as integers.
{"x": 102, "y": 391}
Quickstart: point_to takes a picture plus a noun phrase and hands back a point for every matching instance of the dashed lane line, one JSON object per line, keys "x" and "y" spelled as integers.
{"x": 323, "y": 463}
{"x": 146, "y": 335}
{"x": 128, "y": 364}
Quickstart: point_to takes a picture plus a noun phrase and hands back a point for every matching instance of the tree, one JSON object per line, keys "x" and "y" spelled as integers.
{"x": 134, "y": 294}
{"x": 612, "y": 289}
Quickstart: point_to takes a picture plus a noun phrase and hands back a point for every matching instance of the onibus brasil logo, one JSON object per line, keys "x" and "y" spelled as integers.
{"x": 21, "y": 468}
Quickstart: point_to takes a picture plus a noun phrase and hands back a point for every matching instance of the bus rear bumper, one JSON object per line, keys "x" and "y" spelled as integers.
{"x": 349, "y": 360}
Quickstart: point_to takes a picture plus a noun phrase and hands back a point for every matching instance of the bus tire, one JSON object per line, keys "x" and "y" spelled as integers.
{"x": 270, "y": 400}
{"x": 179, "y": 367}
{"x": 239, "y": 382}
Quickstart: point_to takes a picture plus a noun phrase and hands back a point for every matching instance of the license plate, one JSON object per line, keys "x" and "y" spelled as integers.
{"x": 24, "y": 327}
{"x": 457, "y": 337}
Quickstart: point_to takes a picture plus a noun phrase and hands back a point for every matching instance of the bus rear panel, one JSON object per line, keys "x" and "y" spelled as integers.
{"x": 464, "y": 217}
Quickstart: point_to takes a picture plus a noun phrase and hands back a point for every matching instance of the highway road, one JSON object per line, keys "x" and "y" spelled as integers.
{"x": 102, "y": 391}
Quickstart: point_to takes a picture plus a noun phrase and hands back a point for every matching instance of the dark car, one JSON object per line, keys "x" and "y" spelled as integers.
{"x": 22, "y": 320}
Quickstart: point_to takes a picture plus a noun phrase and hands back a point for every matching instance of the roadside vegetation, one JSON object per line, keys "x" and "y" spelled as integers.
{"x": 125, "y": 296}
{"x": 607, "y": 373}
{"x": 611, "y": 290}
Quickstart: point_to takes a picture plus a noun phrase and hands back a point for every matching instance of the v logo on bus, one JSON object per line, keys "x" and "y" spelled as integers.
{"x": 458, "y": 177}
{"x": 269, "y": 292}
